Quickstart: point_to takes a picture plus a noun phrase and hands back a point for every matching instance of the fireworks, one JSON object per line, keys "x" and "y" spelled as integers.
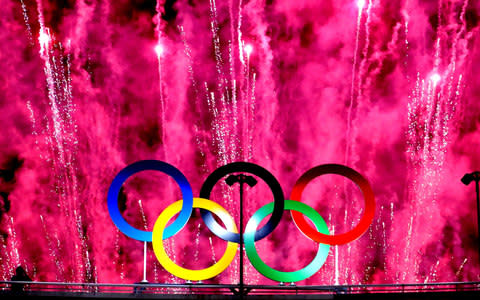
{"x": 435, "y": 78}
{"x": 382, "y": 86}
{"x": 361, "y": 4}
{"x": 159, "y": 50}
{"x": 248, "y": 49}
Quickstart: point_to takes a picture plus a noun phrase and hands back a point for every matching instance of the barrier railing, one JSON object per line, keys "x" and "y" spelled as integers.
{"x": 199, "y": 288}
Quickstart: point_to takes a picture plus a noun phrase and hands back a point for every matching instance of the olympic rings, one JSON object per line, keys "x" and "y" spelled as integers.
{"x": 338, "y": 239}
{"x": 184, "y": 208}
{"x": 271, "y": 273}
{"x": 171, "y": 266}
{"x": 269, "y": 179}
{"x": 122, "y": 176}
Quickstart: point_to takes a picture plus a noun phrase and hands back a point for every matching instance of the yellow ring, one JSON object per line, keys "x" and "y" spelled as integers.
{"x": 171, "y": 266}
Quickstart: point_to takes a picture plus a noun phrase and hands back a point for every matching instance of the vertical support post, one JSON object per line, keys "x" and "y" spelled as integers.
{"x": 241, "y": 239}
{"x": 144, "y": 262}
{"x": 242, "y": 179}
{"x": 466, "y": 179}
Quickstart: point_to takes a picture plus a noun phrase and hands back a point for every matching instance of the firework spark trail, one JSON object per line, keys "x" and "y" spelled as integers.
{"x": 160, "y": 52}
{"x": 235, "y": 111}
{"x": 352, "y": 88}
{"x": 230, "y": 44}
{"x": 84, "y": 271}
{"x": 362, "y": 69}
{"x": 156, "y": 267}
{"x": 59, "y": 84}
{"x": 219, "y": 136}
{"x": 98, "y": 60}
{"x": 145, "y": 227}
{"x": 219, "y": 133}
{"x": 356, "y": 86}
{"x": 388, "y": 245}
{"x": 239, "y": 33}
{"x": 412, "y": 148}
{"x": 336, "y": 265}
{"x": 58, "y": 76}
{"x": 104, "y": 11}
{"x": 7, "y": 267}
{"x": 246, "y": 108}
{"x": 69, "y": 130}
{"x": 12, "y": 246}
{"x": 226, "y": 112}
{"x": 430, "y": 111}
{"x": 252, "y": 117}
{"x": 212, "y": 248}
{"x": 27, "y": 23}
{"x": 144, "y": 217}
{"x": 427, "y": 159}
{"x": 188, "y": 54}
{"x": 461, "y": 268}
{"x": 171, "y": 251}
{"x": 221, "y": 127}
{"x": 214, "y": 28}
{"x": 162, "y": 98}
{"x": 232, "y": 68}
{"x": 199, "y": 138}
{"x": 45, "y": 40}
{"x": 359, "y": 83}
{"x": 53, "y": 252}
{"x": 406, "y": 17}
{"x": 34, "y": 128}
{"x": 116, "y": 261}
{"x": 41, "y": 19}
{"x": 360, "y": 86}
{"x": 224, "y": 134}
{"x": 199, "y": 144}
{"x": 241, "y": 81}
{"x": 450, "y": 105}
{"x": 356, "y": 93}
{"x": 197, "y": 243}
{"x": 159, "y": 49}
{"x": 4, "y": 266}
{"x": 57, "y": 147}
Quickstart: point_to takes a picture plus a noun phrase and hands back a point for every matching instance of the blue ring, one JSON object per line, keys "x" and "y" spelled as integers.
{"x": 155, "y": 165}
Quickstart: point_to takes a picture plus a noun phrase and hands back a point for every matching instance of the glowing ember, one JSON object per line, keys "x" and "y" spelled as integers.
{"x": 248, "y": 49}
{"x": 435, "y": 78}
{"x": 44, "y": 39}
{"x": 159, "y": 50}
{"x": 361, "y": 4}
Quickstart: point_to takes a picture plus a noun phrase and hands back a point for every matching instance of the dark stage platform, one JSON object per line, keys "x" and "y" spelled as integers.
{"x": 459, "y": 290}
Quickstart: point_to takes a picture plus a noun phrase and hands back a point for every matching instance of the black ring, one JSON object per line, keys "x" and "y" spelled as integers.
{"x": 270, "y": 180}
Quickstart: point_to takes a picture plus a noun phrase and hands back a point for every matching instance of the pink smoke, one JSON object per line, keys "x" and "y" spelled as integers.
{"x": 323, "y": 83}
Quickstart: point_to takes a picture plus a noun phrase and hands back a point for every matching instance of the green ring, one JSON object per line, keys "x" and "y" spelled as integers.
{"x": 263, "y": 268}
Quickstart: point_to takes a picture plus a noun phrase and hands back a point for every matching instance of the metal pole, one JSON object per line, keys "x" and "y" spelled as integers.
{"x": 241, "y": 239}
{"x": 144, "y": 262}
{"x": 231, "y": 180}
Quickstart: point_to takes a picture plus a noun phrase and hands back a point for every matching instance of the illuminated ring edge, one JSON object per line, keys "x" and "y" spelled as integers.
{"x": 359, "y": 180}
{"x": 146, "y": 165}
{"x": 239, "y": 167}
{"x": 188, "y": 274}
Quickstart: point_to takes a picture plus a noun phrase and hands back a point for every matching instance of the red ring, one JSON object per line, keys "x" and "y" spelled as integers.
{"x": 343, "y": 238}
